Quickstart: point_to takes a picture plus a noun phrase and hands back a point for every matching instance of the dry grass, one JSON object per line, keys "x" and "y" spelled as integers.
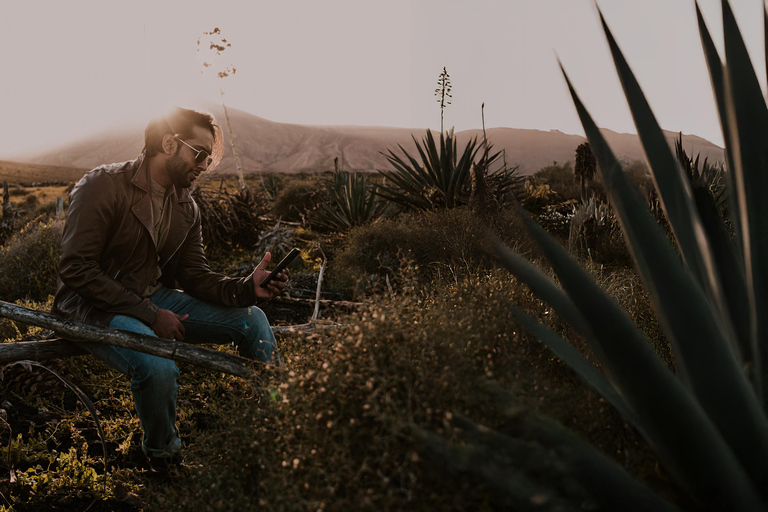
{"x": 17, "y": 173}
{"x": 334, "y": 430}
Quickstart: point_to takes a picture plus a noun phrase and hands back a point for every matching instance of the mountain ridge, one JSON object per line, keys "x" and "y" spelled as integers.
{"x": 269, "y": 146}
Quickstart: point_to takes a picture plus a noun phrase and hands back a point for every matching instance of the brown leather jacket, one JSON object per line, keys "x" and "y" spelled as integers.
{"x": 108, "y": 256}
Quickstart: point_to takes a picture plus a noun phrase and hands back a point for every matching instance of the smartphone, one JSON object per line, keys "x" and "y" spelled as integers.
{"x": 280, "y": 266}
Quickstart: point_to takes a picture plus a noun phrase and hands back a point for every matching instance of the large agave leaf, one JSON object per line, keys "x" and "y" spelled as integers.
{"x": 715, "y": 66}
{"x": 502, "y": 471}
{"x": 701, "y": 342}
{"x": 604, "y": 479}
{"x": 765, "y": 38}
{"x": 671, "y": 183}
{"x": 675, "y": 424}
{"x": 731, "y": 270}
{"x": 579, "y": 364}
{"x": 702, "y": 353}
{"x": 748, "y": 119}
{"x": 542, "y": 286}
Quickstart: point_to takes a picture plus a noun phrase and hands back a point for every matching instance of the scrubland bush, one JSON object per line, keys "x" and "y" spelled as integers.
{"x": 335, "y": 429}
{"x": 298, "y": 200}
{"x": 447, "y": 243}
{"x": 30, "y": 260}
{"x": 595, "y": 233}
{"x": 561, "y": 181}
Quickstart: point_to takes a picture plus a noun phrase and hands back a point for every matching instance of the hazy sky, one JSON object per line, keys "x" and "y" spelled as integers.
{"x": 79, "y": 66}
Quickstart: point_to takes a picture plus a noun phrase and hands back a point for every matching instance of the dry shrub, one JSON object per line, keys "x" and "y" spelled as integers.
{"x": 626, "y": 286}
{"x": 30, "y": 260}
{"x": 230, "y": 221}
{"x": 449, "y": 242}
{"x": 334, "y": 429}
{"x": 298, "y": 200}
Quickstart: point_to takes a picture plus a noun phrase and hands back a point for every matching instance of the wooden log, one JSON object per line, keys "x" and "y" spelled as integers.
{"x": 78, "y": 331}
{"x": 38, "y": 350}
{"x": 57, "y": 348}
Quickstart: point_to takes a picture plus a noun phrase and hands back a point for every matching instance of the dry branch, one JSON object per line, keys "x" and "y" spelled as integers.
{"x": 311, "y": 302}
{"x": 311, "y": 326}
{"x": 73, "y": 330}
{"x": 319, "y": 286}
{"x": 38, "y": 350}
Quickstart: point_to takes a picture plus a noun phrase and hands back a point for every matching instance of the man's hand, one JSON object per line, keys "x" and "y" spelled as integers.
{"x": 275, "y": 286}
{"x": 168, "y": 325}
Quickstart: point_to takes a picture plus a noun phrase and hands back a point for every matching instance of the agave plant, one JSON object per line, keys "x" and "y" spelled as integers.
{"x": 352, "y": 202}
{"x": 707, "y": 422}
{"x": 442, "y": 179}
{"x": 705, "y": 178}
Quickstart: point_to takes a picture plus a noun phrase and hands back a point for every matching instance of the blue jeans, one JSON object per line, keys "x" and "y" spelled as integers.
{"x": 154, "y": 379}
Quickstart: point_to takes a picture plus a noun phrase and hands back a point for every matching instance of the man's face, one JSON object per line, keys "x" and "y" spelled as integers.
{"x": 181, "y": 166}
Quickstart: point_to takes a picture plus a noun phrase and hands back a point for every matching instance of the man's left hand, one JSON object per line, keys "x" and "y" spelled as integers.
{"x": 275, "y": 286}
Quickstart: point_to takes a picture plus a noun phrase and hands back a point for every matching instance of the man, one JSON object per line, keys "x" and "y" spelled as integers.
{"x": 132, "y": 238}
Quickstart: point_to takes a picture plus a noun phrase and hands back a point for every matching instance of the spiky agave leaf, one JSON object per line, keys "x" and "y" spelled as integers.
{"x": 704, "y": 348}
{"x": 439, "y": 180}
{"x": 715, "y": 66}
{"x": 606, "y": 481}
{"x": 747, "y": 114}
{"x": 672, "y": 420}
{"x": 731, "y": 427}
{"x": 352, "y": 202}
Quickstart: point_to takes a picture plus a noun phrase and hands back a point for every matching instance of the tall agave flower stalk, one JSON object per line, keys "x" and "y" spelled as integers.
{"x": 216, "y": 46}
{"x": 707, "y": 422}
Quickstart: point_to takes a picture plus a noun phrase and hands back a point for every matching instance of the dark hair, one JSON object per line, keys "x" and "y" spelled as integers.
{"x": 177, "y": 121}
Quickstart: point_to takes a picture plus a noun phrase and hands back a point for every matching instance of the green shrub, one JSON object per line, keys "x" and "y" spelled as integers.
{"x": 30, "y": 261}
{"x": 298, "y": 200}
{"x": 30, "y": 201}
{"x": 446, "y": 243}
{"x": 560, "y": 179}
{"x": 335, "y": 430}
{"x": 231, "y": 221}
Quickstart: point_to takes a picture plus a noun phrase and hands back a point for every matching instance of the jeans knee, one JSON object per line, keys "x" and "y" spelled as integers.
{"x": 157, "y": 373}
{"x": 257, "y": 326}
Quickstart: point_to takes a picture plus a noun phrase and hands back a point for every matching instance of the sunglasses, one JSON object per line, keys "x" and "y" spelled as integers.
{"x": 201, "y": 155}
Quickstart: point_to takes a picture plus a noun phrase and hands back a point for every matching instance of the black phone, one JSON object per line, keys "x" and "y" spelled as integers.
{"x": 280, "y": 266}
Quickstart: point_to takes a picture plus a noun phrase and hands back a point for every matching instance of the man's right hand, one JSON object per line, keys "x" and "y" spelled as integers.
{"x": 168, "y": 325}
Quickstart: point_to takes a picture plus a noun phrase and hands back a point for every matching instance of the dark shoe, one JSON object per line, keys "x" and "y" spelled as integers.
{"x": 165, "y": 468}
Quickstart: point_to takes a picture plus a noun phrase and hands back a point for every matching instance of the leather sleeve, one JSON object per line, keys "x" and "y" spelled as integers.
{"x": 93, "y": 205}
{"x": 195, "y": 276}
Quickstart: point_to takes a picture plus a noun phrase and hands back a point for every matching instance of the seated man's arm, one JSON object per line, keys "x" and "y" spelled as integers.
{"x": 90, "y": 220}
{"x": 196, "y": 277}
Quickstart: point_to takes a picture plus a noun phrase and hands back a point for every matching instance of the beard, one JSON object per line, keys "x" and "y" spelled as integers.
{"x": 178, "y": 172}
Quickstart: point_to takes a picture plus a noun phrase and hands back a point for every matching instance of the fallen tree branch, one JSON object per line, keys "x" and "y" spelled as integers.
{"x": 311, "y": 326}
{"x": 39, "y": 350}
{"x": 319, "y": 285}
{"x": 78, "y": 331}
{"x": 311, "y": 302}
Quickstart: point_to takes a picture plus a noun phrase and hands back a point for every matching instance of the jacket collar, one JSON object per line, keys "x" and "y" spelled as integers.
{"x": 141, "y": 179}
{"x": 182, "y": 216}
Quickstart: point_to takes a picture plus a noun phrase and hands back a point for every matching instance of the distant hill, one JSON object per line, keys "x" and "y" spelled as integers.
{"x": 17, "y": 172}
{"x": 265, "y": 145}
